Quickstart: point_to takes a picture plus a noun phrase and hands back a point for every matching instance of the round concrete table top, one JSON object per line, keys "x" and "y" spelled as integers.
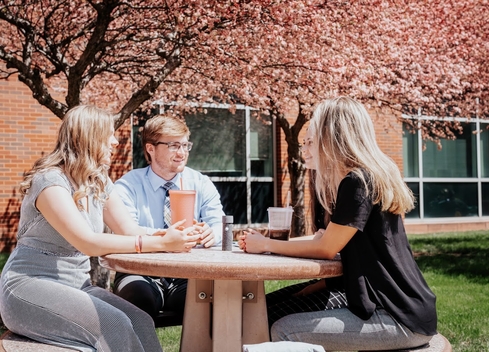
{"x": 215, "y": 264}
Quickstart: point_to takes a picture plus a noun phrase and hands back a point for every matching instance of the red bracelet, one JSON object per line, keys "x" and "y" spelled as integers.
{"x": 139, "y": 243}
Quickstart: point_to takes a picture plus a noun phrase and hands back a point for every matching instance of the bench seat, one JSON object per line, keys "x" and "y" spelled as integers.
{"x": 11, "y": 342}
{"x": 438, "y": 343}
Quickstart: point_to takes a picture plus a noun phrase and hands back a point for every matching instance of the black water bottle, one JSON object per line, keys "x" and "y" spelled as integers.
{"x": 227, "y": 232}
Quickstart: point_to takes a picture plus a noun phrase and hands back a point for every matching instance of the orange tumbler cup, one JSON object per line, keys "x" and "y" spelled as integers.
{"x": 182, "y": 203}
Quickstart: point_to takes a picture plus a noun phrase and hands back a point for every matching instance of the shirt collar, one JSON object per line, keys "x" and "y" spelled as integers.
{"x": 157, "y": 181}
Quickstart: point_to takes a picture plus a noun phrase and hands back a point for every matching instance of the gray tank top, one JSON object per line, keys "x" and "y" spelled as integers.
{"x": 35, "y": 232}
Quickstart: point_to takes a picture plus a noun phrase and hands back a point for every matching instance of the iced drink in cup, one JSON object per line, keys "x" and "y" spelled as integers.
{"x": 182, "y": 203}
{"x": 279, "y": 222}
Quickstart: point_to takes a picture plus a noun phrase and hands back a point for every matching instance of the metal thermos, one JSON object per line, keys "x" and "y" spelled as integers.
{"x": 227, "y": 232}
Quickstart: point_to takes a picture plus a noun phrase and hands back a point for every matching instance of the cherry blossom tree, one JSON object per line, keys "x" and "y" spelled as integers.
{"x": 410, "y": 56}
{"x": 414, "y": 57}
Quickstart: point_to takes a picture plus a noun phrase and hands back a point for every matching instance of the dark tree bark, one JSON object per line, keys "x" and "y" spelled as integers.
{"x": 99, "y": 275}
{"x": 296, "y": 167}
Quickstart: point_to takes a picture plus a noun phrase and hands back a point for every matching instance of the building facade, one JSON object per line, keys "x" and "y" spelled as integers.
{"x": 247, "y": 159}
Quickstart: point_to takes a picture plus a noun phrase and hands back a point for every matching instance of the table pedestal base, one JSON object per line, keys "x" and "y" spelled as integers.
{"x": 234, "y": 310}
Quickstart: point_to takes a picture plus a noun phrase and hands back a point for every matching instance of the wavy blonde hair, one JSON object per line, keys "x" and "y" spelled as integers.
{"x": 81, "y": 145}
{"x": 344, "y": 141}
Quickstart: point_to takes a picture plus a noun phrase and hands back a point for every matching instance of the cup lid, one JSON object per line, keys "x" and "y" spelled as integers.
{"x": 281, "y": 209}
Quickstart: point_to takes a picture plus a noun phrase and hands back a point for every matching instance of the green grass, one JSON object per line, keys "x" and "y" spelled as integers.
{"x": 456, "y": 267}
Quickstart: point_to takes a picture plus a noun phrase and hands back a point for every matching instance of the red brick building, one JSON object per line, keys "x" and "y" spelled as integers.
{"x": 28, "y": 130}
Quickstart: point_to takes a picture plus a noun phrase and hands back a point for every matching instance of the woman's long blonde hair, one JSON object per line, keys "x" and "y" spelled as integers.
{"x": 344, "y": 141}
{"x": 80, "y": 148}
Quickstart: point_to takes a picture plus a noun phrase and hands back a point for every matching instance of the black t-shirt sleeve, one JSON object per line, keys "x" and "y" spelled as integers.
{"x": 352, "y": 207}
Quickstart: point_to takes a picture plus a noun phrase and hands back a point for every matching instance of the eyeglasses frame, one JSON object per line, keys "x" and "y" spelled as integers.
{"x": 171, "y": 145}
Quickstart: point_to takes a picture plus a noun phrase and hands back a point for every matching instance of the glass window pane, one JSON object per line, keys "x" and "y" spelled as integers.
{"x": 261, "y": 146}
{"x": 414, "y": 214}
{"x": 450, "y": 199}
{"x": 233, "y": 199}
{"x": 484, "y": 148}
{"x": 410, "y": 152}
{"x": 261, "y": 200}
{"x": 138, "y": 159}
{"x": 457, "y": 158}
{"x": 219, "y": 149}
{"x": 219, "y": 142}
{"x": 485, "y": 199}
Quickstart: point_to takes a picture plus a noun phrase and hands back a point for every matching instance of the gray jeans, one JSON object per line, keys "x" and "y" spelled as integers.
{"x": 341, "y": 330}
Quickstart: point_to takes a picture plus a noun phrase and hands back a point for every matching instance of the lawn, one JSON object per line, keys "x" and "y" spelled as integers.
{"x": 455, "y": 265}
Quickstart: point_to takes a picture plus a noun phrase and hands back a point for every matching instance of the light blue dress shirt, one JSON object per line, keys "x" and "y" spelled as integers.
{"x": 141, "y": 192}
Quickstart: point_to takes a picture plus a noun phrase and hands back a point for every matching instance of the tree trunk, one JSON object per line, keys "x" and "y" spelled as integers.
{"x": 99, "y": 275}
{"x": 297, "y": 172}
{"x": 297, "y": 169}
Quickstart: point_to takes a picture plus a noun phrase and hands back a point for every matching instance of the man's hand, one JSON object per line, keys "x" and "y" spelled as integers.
{"x": 207, "y": 238}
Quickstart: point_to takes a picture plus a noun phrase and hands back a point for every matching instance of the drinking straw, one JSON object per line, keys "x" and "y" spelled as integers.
{"x": 181, "y": 183}
{"x": 287, "y": 199}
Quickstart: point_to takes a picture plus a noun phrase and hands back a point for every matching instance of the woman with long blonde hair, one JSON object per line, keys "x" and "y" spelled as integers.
{"x": 45, "y": 291}
{"x": 390, "y": 305}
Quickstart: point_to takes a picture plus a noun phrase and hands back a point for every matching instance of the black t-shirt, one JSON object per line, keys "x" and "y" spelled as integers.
{"x": 378, "y": 266}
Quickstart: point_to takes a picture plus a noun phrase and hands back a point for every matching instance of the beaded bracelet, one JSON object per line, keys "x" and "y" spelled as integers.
{"x": 139, "y": 243}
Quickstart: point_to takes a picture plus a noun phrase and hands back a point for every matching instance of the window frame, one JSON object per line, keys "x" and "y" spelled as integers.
{"x": 421, "y": 180}
{"x": 248, "y": 179}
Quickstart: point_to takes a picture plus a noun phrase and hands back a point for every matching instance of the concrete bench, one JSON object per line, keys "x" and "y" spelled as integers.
{"x": 438, "y": 343}
{"x": 11, "y": 342}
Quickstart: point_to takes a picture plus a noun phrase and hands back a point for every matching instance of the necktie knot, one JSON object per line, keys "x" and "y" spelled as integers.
{"x": 167, "y": 187}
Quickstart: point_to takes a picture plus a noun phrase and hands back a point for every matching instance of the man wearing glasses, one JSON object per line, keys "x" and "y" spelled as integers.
{"x": 145, "y": 192}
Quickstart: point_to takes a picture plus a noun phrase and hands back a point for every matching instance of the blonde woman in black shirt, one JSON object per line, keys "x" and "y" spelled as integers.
{"x": 390, "y": 305}
{"x": 312, "y": 295}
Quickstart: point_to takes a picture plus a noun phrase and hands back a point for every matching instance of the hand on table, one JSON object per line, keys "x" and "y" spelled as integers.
{"x": 177, "y": 238}
{"x": 207, "y": 238}
{"x": 252, "y": 242}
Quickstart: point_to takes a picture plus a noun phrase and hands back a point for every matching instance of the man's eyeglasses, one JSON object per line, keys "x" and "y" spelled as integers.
{"x": 175, "y": 146}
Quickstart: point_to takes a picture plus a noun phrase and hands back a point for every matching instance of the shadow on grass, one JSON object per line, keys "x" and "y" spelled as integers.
{"x": 466, "y": 256}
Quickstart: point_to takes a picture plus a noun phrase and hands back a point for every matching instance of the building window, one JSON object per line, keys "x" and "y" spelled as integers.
{"x": 452, "y": 181}
{"x": 236, "y": 152}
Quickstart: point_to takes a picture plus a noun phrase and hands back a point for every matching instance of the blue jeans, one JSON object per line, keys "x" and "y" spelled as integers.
{"x": 340, "y": 329}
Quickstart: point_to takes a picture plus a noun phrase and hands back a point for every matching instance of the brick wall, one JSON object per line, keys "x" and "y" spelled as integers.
{"x": 28, "y": 131}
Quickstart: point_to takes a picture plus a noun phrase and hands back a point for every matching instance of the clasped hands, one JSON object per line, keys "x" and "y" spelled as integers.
{"x": 198, "y": 233}
{"x": 252, "y": 241}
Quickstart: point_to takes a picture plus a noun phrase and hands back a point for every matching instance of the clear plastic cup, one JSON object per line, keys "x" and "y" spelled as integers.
{"x": 279, "y": 222}
{"x": 182, "y": 203}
